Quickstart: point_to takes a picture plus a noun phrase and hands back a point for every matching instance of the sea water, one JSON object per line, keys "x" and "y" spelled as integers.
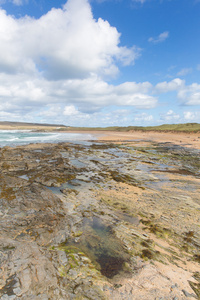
{"x": 24, "y": 137}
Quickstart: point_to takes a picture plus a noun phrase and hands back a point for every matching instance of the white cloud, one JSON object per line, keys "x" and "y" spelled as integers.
{"x": 128, "y": 55}
{"x": 7, "y": 115}
{"x": 94, "y": 93}
{"x": 57, "y": 64}
{"x": 88, "y": 95}
{"x": 138, "y": 100}
{"x": 64, "y": 43}
{"x": 191, "y": 116}
{"x": 99, "y": 118}
{"x": 184, "y": 71}
{"x": 70, "y": 110}
{"x": 173, "y": 85}
{"x": 190, "y": 95}
{"x": 51, "y": 111}
{"x": 170, "y": 116}
{"x": 133, "y": 87}
{"x": 160, "y": 38}
{"x": 54, "y": 68}
{"x": 143, "y": 118}
{"x": 187, "y": 94}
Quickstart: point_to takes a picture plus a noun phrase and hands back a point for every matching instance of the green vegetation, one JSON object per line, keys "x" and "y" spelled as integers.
{"x": 188, "y": 127}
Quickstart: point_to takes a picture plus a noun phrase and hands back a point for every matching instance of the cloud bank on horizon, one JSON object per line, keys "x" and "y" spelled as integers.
{"x": 65, "y": 67}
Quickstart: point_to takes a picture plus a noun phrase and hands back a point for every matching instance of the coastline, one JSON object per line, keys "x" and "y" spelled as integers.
{"x": 184, "y": 139}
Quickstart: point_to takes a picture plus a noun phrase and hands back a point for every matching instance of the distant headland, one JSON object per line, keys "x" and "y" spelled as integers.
{"x": 6, "y": 125}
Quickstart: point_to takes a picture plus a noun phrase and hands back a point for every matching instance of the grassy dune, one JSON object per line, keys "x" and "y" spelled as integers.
{"x": 188, "y": 127}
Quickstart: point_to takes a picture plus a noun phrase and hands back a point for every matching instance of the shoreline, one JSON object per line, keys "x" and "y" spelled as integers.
{"x": 189, "y": 140}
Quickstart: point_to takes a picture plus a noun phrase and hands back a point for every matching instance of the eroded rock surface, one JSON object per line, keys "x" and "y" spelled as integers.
{"x": 99, "y": 221}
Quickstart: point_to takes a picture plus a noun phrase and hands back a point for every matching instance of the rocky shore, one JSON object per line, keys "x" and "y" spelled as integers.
{"x": 100, "y": 220}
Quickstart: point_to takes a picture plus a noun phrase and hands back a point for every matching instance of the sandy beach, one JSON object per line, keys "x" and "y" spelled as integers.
{"x": 189, "y": 140}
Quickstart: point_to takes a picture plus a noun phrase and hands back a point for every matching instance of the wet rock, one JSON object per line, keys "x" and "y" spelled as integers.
{"x": 107, "y": 227}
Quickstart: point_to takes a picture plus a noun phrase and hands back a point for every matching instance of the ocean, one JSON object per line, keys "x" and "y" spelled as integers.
{"x": 23, "y": 137}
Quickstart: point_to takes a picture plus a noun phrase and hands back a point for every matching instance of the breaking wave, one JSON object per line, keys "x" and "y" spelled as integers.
{"x": 23, "y": 137}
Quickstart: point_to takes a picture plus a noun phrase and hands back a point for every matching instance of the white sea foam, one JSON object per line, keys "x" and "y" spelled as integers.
{"x": 23, "y": 137}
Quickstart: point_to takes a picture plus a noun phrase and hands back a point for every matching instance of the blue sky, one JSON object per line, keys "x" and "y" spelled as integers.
{"x": 100, "y": 63}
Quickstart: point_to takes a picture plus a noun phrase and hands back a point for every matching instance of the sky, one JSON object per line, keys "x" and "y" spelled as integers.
{"x": 100, "y": 62}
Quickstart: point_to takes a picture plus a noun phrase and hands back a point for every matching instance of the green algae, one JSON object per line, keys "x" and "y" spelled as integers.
{"x": 157, "y": 229}
{"x": 73, "y": 259}
{"x": 117, "y": 205}
{"x": 8, "y": 248}
{"x": 67, "y": 248}
{"x": 188, "y": 236}
{"x": 62, "y": 271}
{"x": 196, "y": 257}
{"x": 78, "y": 233}
{"x": 7, "y": 193}
{"x": 149, "y": 253}
{"x": 196, "y": 288}
{"x": 124, "y": 178}
{"x": 147, "y": 243}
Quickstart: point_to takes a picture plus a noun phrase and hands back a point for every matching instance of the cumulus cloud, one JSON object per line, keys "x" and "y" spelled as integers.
{"x": 160, "y": 38}
{"x": 57, "y": 64}
{"x": 190, "y": 95}
{"x": 191, "y": 116}
{"x": 88, "y": 95}
{"x": 143, "y": 118}
{"x": 115, "y": 117}
{"x": 70, "y": 110}
{"x": 170, "y": 116}
{"x": 133, "y": 87}
{"x": 64, "y": 43}
{"x": 187, "y": 94}
{"x": 93, "y": 93}
{"x": 55, "y": 67}
{"x": 173, "y": 85}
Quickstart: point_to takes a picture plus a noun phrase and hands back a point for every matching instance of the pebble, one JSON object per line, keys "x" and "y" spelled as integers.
{"x": 174, "y": 286}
